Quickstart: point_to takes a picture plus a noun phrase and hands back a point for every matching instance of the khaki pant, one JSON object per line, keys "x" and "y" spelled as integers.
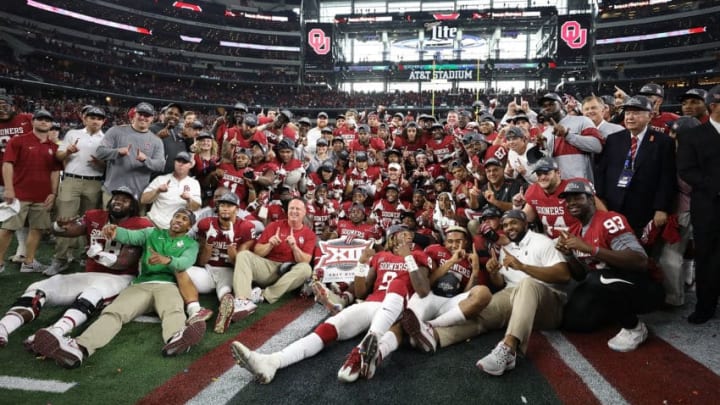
{"x": 132, "y": 302}
{"x": 250, "y": 268}
{"x": 530, "y": 305}
{"x": 75, "y": 197}
{"x": 32, "y": 213}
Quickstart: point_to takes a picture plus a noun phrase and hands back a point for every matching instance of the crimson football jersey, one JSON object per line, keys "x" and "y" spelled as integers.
{"x": 552, "y": 210}
{"x": 362, "y": 230}
{"x": 391, "y": 269}
{"x": 20, "y": 124}
{"x": 386, "y": 214}
{"x": 363, "y": 178}
{"x": 234, "y": 180}
{"x": 442, "y": 147}
{"x": 94, "y": 221}
{"x": 439, "y": 254}
{"x": 210, "y": 232}
{"x": 321, "y": 214}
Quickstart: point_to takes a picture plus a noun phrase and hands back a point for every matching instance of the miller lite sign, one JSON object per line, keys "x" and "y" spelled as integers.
{"x": 339, "y": 258}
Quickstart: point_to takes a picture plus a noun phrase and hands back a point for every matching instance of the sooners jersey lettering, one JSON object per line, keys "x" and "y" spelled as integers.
{"x": 390, "y": 268}
{"x": 552, "y": 210}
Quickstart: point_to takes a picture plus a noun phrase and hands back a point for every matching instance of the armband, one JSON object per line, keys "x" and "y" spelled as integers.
{"x": 361, "y": 270}
{"x": 411, "y": 264}
{"x": 595, "y": 251}
{"x": 57, "y": 228}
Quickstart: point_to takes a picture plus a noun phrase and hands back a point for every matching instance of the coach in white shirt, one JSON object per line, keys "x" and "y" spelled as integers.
{"x": 171, "y": 192}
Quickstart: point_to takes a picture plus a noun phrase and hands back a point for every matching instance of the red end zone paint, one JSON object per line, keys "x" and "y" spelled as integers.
{"x": 654, "y": 373}
{"x": 201, "y": 373}
{"x": 569, "y": 387}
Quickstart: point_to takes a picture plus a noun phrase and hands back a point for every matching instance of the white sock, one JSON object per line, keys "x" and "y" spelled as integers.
{"x": 301, "y": 349}
{"x": 221, "y": 291}
{"x": 21, "y": 235}
{"x": 388, "y": 344}
{"x": 452, "y": 317}
{"x": 70, "y": 320}
{"x": 192, "y": 308}
{"x": 391, "y": 308}
{"x": 11, "y": 321}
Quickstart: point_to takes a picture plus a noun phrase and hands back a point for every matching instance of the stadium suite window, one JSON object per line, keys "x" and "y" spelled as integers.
{"x": 438, "y": 6}
{"x": 370, "y": 7}
{"x": 403, "y": 6}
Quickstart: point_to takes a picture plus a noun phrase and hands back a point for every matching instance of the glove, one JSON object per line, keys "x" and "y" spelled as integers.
{"x": 106, "y": 259}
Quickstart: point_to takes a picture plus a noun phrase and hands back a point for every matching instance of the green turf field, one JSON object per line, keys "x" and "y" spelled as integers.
{"x": 121, "y": 373}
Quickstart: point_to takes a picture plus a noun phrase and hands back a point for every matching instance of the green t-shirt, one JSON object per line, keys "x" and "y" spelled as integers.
{"x": 182, "y": 250}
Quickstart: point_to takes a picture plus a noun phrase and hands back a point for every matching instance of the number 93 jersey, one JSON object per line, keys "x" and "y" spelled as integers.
{"x": 603, "y": 229}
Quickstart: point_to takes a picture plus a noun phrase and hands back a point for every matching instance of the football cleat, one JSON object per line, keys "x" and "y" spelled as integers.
{"x": 262, "y": 366}
{"x": 184, "y": 339}
{"x": 50, "y": 343}
{"x": 369, "y": 356}
{"x": 327, "y": 298}
{"x": 421, "y": 333}
{"x": 46, "y": 341}
{"x": 202, "y": 315}
{"x": 225, "y": 313}
{"x": 350, "y": 370}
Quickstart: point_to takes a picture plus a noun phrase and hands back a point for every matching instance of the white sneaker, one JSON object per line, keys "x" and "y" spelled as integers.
{"x": 17, "y": 258}
{"x": 420, "y": 332}
{"x": 256, "y": 295}
{"x": 500, "y": 359}
{"x": 4, "y": 336}
{"x": 184, "y": 339}
{"x": 34, "y": 267}
{"x": 262, "y": 366}
{"x": 243, "y": 309}
{"x": 628, "y": 340}
{"x": 56, "y": 267}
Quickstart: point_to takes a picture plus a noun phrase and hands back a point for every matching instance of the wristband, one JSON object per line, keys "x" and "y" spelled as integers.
{"x": 57, "y": 228}
{"x": 595, "y": 251}
{"x": 411, "y": 264}
{"x": 361, "y": 270}
{"x": 518, "y": 207}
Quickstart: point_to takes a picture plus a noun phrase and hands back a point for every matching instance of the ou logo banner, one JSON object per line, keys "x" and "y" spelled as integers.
{"x": 573, "y": 34}
{"x": 319, "y": 42}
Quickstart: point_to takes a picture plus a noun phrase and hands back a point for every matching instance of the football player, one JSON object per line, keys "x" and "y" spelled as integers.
{"x": 384, "y": 280}
{"x": 109, "y": 269}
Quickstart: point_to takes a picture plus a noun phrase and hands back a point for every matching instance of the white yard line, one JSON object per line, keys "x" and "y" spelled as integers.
{"x": 599, "y": 386}
{"x": 31, "y": 384}
{"x": 234, "y": 380}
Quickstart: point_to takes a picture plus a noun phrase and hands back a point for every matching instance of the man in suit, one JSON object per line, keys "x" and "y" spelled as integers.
{"x": 699, "y": 166}
{"x": 636, "y": 172}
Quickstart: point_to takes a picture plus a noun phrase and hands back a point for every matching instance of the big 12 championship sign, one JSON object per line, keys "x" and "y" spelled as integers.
{"x": 339, "y": 258}
{"x": 574, "y": 40}
{"x": 319, "y": 44}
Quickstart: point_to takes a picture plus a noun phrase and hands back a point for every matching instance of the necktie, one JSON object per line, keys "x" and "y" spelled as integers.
{"x": 633, "y": 146}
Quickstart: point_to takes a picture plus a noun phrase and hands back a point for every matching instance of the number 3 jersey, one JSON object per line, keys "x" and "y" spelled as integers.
{"x": 391, "y": 269}
{"x": 94, "y": 221}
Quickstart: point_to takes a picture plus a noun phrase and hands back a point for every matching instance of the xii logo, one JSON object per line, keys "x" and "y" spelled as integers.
{"x": 318, "y": 41}
{"x": 573, "y": 34}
